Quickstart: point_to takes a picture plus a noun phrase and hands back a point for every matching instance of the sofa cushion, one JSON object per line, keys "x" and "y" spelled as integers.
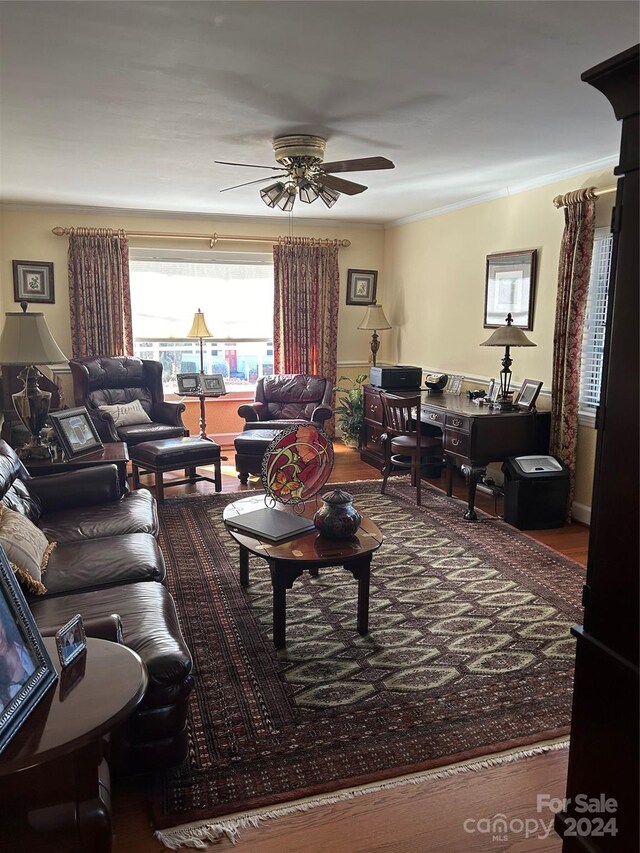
{"x": 97, "y": 563}
{"x": 126, "y": 414}
{"x": 27, "y": 548}
{"x": 135, "y": 512}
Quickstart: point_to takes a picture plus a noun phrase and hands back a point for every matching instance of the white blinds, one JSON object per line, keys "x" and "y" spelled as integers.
{"x": 595, "y": 321}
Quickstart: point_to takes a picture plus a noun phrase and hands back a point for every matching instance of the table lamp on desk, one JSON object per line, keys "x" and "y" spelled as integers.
{"x": 507, "y": 336}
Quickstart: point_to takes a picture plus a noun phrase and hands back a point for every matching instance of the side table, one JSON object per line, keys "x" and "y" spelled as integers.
{"x": 112, "y": 453}
{"x": 54, "y": 778}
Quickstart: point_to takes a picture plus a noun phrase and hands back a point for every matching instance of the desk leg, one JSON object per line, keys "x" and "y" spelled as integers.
{"x": 473, "y": 474}
{"x": 244, "y": 566}
{"x": 450, "y": 469}
{"x": 361, "y": 570}
{"x": 282, "y": 578}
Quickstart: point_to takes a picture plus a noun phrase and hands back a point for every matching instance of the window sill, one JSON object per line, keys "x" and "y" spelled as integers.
{"x": 587, "y": 419}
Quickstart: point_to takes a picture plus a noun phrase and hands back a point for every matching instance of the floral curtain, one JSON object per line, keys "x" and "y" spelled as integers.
{"x": 574, "y": 271}
{"x": 305, "y": 305}
{"x": 100, "y": 302}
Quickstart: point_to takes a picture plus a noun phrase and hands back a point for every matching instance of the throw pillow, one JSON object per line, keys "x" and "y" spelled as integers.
{"x": 27, "y": 549}
{"x": 127, "y": 414}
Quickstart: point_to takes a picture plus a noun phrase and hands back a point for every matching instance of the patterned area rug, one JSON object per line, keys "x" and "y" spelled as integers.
{"x": 468, "y": 654}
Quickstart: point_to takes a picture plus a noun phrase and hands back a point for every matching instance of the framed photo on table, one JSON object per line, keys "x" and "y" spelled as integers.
{"x": 528, "y": 394}
{"x": 71, "y": 640}
{"x": 361, "y": 287}
{"x": 509, "y": 289}
{"x": 213, "y": 384}
{"x": 28, "y": 670}
{"x": 75, "y": 432}
{"x": 33, "y": 281}
{"x": 188, "y": 383}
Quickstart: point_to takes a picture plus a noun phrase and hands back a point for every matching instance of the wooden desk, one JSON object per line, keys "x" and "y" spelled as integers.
{"x": 112, "y": 453}
{"x": 473, "y": 436}
{"x": 54, "y": 779}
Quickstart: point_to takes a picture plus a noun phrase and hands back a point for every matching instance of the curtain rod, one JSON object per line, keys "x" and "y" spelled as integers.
{"x": 213, "y": 238}
{"x": 571, "y": 198}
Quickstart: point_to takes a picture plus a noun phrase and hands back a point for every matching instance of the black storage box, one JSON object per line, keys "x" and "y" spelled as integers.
{"x": 536, "y": 489}
{"x": 398, "y": 376}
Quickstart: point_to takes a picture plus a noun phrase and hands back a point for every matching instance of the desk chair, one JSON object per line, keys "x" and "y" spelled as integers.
{"x": 405, "y": 445}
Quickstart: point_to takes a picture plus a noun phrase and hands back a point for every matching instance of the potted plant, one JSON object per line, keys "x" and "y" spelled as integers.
{"x": 350, "y": 411}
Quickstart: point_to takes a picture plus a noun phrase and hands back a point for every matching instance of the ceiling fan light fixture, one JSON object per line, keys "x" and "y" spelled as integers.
{"x": 288, "y": 197}
{"x": 308, "y": 192}
{"x": 272, "y": 194}
{"x": 328, "y": 196}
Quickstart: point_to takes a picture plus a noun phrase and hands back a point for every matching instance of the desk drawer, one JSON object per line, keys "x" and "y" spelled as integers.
{"x": 372, "y": 438}
{"x": 456, "y": 442}
{"x": 457, "y": 422}
{"x": 373, "y": 410}
{"x": 429, "y": 417}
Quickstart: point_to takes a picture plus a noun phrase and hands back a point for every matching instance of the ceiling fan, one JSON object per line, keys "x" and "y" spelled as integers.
{"x": 306, "y": 175}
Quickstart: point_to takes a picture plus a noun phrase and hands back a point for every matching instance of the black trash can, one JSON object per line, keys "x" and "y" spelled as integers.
{"x": 536, "y": 489}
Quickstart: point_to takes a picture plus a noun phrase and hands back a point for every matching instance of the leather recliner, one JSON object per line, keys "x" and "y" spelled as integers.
{"x": 285, "y": 400}
{"x": 111, "y": 380}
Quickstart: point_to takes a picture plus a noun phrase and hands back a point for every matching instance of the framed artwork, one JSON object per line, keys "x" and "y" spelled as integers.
{"x": 493, "y": 391}
{"x": 213, "y": 383}
{"x": 188, "y": 383}
{"x": 454, "y": 386}
{"x": 528, "y": 394}
{"x": 33, "y": 281}
{"x": 71, "y": 640}
{"x": 75, "y": 432}
{"x": 26, "y": 668}
{"x": 361, "y": 287}
{"x": 509, "y": 289}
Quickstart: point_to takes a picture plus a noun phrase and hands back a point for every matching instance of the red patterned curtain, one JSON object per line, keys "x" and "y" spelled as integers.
{"x": 100, "y": 302}
{"x": 574, "y": 271}
{"x": 305, "y": 304}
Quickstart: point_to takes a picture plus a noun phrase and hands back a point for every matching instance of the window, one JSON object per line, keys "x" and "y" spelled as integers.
{"x": 235, "y": 293}
{"x": 595, "y": 323}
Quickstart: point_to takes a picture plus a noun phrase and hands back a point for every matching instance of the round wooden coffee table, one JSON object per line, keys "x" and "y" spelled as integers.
{"x": 306, "y": 552}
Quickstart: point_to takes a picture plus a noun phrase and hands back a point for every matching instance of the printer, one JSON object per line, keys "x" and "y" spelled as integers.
{"x": 396, "y": 376}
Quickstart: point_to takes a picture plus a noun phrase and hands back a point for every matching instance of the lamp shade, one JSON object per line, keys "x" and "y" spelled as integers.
{"x": 508, "y": 336}
{"x": 374, "y": 319}
{"x": 26, "y": 339}
{"x": 199, "y": 328}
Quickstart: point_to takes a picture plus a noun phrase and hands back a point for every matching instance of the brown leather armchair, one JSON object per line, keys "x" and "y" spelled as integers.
{"x": 105, "y": 380}
{"x": 288, "y": 399}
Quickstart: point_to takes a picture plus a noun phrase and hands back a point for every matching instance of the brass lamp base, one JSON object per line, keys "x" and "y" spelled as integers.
{"x": 35, "y": 449}
{"x": 32, "y": 407}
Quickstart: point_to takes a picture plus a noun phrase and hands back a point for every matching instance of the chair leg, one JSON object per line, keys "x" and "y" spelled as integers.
{"x": 159, "y": 487}
{"x": 416, "y": 472}
{"x": 217, "y": 476}
{"x": 135, "y": 472}
{"x": 191, "y": 474}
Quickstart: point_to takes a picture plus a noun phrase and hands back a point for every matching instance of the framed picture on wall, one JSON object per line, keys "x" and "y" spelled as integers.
{"x": 509, "y": 289}
{"x": 361, "y": 287}
{"x": 33, "y": 281}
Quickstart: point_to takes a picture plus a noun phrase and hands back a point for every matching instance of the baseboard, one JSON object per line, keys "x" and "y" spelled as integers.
{"x": 581, "y": 513}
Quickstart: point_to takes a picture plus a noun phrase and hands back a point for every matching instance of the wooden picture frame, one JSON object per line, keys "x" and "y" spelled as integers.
{"x": 71, "y": 640}
{"x": 213, "y": 385}
{"x": 75, "y": 431}
{"x": 19, "y": 636}
{"x": 454, "y": 385}
{"x": 188, "y": 383}
{"x": 510, "y": 289}
{"x": 528, "y": 394}
{"x": 33, "y": 281}
{"x": 361, "y": 287}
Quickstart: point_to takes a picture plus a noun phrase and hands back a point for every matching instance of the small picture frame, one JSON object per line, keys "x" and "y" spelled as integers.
{"x": 510, "y": 288}
{"x": 528, "y": 394}
{"x": 33, "y": 281}
{"x": 361, "y": 287}
{"x": 33, "y": 672}
{"x": 75, "y": 431}
{"x": 454, "y": 386}
{"x": 213, "y": 385}
{"x": 494, "y": 391}
{"x": 71, "y": 641}
{"x": 188, "y": 383}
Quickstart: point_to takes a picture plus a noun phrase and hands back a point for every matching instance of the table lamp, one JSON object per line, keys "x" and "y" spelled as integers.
{"x": 26, "y": 339}
{"x": 507, "y": 336}
{"x": 374, "y": 319}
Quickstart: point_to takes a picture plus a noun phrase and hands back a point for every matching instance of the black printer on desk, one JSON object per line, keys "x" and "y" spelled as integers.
{"x": 396, "y": 377}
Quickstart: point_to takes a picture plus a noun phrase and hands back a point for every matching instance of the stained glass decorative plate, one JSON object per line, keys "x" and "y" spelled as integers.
{"x": 297, "y": 464}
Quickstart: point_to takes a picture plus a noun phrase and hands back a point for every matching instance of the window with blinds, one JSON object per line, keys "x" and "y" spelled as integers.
{"x": 595, "y": 322}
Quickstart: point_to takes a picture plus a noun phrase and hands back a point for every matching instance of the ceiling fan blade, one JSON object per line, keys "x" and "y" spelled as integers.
{"x": 248, "y": 165}
{"x": 339, "y": 184}
{"x": 258, "y": 181}
{"x": 365, "y": 164}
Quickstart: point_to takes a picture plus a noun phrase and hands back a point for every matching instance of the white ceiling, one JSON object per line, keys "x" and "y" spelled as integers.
{"x": 127, "y": 104}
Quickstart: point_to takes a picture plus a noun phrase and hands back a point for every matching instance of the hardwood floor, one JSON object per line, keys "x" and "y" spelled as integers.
{"x": 434, "y": 816}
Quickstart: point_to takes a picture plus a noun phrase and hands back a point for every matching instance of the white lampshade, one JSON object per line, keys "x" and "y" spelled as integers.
{"x": 199, "y": 328}
{"x": 374, "y": 319}
{"x": 26, "y": 339}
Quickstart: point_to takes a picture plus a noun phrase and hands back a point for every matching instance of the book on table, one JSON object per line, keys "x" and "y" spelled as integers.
{"x": 272, "y": 524}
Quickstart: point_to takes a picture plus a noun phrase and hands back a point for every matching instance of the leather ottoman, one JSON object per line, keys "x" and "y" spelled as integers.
{"x": 250, "y": 447}
{"x": 172, "y": 454}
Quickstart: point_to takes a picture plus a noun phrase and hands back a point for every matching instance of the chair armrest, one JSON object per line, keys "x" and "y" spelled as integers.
{"x": 321, "y": 414}
{"x": 70, "y": 489}
{"x": 104, "y": 425}
{"x": 253, "y": 411}
{"x": 100, "y": 627}
{"x": 168, "y": 413}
